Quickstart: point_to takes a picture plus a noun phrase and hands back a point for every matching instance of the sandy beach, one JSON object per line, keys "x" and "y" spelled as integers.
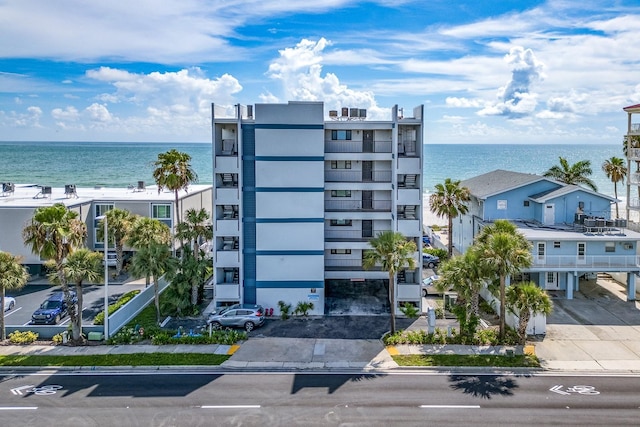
{"x": 428, "y": 217}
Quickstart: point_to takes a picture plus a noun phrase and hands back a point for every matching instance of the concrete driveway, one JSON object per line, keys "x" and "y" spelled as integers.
{"x": 597, "y": 330}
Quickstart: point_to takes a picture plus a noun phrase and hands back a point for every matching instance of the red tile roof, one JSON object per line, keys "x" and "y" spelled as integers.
{"x": 632, "y": 108}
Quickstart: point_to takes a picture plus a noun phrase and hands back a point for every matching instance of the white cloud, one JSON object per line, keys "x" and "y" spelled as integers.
{"x": 299, "y": 71}
{"x": 452, "y": 101}
{"x": 70, "y": 113}
{"x": 516, "y": 99}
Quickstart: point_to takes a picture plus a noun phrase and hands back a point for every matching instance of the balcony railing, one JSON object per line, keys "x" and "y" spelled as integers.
{"x": 357, "y": 176}
{"x": 357, "y": 147}
{"x": 349, "y": 235}
{"x": 357, "y": 205}
{"x": 634, "y": 153}
{"x": 634, "y": 178}
{"x": 334, "y": 264}
{"x": 587, "y": 261}
{"x": 635, "y": 129}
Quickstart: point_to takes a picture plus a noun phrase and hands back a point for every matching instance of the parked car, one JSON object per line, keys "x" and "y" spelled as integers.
{"x": 430, "y": 261}
{"x": 112, "y": 259}
{"x": 9, "y": 303}
{"x": 427, "y": 285}
{"x": 247, "y": 316}
{"x": 52, "y": 310}
{"x": 426, "y": 241}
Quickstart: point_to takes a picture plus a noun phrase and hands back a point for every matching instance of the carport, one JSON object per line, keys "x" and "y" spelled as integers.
{"x": 356, "y": 297}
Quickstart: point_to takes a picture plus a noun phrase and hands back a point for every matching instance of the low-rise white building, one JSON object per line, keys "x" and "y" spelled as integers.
{"x": 19, "y": 201}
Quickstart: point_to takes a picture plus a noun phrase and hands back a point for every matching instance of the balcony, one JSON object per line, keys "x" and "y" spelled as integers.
{"x": 357, "y": 147}
{"x": 227, "y": 291}
{"x": 635, "y": 129}
{"x": 634, "y": 153}
{"x": 333, "y": 235}
{"x": 334, "y": 264}
{"x": 602, "y": 262}
{"x": 357, "y": 176}
{"x": 354, "y": 205}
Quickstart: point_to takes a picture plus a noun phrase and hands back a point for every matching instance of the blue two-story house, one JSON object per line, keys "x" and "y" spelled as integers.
{"x": 570, "y": 228}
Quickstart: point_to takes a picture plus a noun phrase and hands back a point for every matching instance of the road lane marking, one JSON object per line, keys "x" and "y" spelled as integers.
{"x": 450, "y": 406}
{"x": 231, "y": 407}
{"x": 17, "y": 408}
{"x": 9, "y": 313}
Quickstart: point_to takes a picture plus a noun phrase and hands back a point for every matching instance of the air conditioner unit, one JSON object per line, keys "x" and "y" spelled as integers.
{"x": 46, "y": 190}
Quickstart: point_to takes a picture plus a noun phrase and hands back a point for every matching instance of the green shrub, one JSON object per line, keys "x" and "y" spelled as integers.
{"x": 487, "y": 337}
{"x": 303, "y": 307}
{"x": 409, "y": 310}
{"x": 57, "y": 339}
{"x": 99, "y": 319}
{"x": 26, "y": 337}
{"x": 443, "y": 254}
{"x": 285, "y": 309}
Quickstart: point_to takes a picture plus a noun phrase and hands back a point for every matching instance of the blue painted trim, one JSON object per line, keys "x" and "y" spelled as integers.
{"x": 269, "y": 253}
{"x": 288, "y": 220}
{"x": 297, "y": 284}
{"x": 289, "y": 189}
{"x": 289, "y": 158}
{"x": 287, "y": 126}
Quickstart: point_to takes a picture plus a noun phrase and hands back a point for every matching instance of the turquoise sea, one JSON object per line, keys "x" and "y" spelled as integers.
{"x": 123, "y": 163}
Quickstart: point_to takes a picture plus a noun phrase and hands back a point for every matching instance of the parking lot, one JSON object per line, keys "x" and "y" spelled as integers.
{"x": 29, "y": 298}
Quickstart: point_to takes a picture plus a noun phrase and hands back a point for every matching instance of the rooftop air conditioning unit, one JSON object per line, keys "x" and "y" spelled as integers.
{"x": 250, "y": 111}
{"x": 46, "y": 190}
{"x": 333, "y": 114}
{"x": 70, "y": 190}
{"x": 140, "y": 186}
{"x": 345, "y": 112}
{"x": 8, "y": 187}
{"x": 353, "y": 112}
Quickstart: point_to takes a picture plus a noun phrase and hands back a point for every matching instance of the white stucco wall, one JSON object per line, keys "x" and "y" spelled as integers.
{"x": 269, "y": 297}
{"x": 289, "y": 142}
{"x": 289, "y": 267}
{"x": 289, "y": 236}
{"x": 289, "y": 205}
{"x": 290, "y": 174}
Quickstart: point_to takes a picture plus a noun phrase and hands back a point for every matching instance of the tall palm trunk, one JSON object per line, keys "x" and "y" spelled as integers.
{"x": 76, "y": 329}
{"x": 392, "y": 301}
{"x": 503, "y": 311}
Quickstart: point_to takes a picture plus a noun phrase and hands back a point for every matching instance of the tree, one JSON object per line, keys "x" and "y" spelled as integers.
{"x": 575, "y": 174}
{"x": 392, "y": 251}
{"x": 13, "y": 276}
{"x": 178, "y": 296}
{"x": 616, "y": 171}
{"x": 119, "y": 223}
{"x": 195, "y": 229}
{"x": 151, "y": 262}
{"x": 53, "y": 233}
{"x": 466, "y": 274}
{"x": 505, "y": 252}
{"x": 173, "y": 171}
{"x": 449, "y": 201}
{"x": 526, "y": 299}
{"x": 80, "y": 266}
{"x": 145, "y": 231}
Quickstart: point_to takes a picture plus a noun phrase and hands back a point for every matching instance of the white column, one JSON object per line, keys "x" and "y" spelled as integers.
{"x": 631, "y": 286}
{"x": 570, "y": 282}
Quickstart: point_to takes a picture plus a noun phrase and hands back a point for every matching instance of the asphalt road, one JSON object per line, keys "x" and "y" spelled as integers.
{"x": 316, "y": 399}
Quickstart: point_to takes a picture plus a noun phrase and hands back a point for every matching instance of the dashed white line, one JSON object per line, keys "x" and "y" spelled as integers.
{"x": 231, "y": 407}
{"x": 450, "y": 406}
{"x": 17, "y": 408}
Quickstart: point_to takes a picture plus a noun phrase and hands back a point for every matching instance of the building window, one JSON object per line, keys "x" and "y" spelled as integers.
{"x": 340, "y": 251}
{"x": 340, "y": 193}
{"x": 556, "y": 245}
{"x": 161, "y": 211}
{"x": 340, "y": 164}
{"x": 341, "y": 135}
{"x": 609, "y": 246}
{"x": 526, "y": 203}
{"x": 340, "y": 222}
{"x": 102, "y": 209}
{"x": 502, "y": 205}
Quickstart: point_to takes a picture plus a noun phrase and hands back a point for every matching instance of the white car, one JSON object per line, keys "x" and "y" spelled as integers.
{"x": 427, "y": 285}
{"x": 9, "y": 303}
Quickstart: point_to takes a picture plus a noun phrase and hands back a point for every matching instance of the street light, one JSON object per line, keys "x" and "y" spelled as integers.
{"x": 106, "y": 276}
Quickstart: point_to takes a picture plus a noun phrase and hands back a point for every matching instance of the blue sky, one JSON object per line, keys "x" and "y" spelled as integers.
{"x": 488, "y": 72}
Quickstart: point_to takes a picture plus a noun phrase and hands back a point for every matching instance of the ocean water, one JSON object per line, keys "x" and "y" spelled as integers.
{"x": 121, "y": 163}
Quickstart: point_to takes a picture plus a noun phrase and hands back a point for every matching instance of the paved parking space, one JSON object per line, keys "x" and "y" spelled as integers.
{"x": 599, "y": 329}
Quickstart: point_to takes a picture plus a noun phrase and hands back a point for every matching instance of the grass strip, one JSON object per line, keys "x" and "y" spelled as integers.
{"x": 136, "y": 359}
{"x": 521, "y": 361}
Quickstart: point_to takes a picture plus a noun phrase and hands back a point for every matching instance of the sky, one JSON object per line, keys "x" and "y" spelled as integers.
{"x": 509, "y": 71}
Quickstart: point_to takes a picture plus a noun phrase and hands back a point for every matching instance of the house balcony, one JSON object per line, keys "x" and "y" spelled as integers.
{"x": 600, "y": 262}
{"x": 227, "y": 258}
{"x": 357, "y": 176}
{"x": 409, "y": 165}
{"x": 227, "y": 195}
{"x": 633, "y": 153}
{"x": 634, "y": 178}
{"x": 357, "y": 147}
{"x": 634, "y": 129}
{"x": 331, "y": 235}
{"x": 227, "y": 291}
{"x": 334, "y": 264}
{"x": 355, "y": 205}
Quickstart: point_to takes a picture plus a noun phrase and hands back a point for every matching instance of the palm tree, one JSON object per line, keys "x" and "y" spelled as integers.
{"x": 393, "y": 251}
{"x": 151, "y": 262}
{"x": 80, "y": 266}
{"x": 505, "y": 252}
{"x": 13, "y": 276}
{"x": 195, "y": 229}
{"x": 526, "y": 299}
{"x": 616, "y": 171}
{"x": 53, "y": 233}
{"x": 119, "y": 223}
{"x": 145, "y": 231}
{"x": 576, "y": 174}
{"x": 466, "y": 274}
{"x": 449, "y": 201}
{"x": 173, "y": 171}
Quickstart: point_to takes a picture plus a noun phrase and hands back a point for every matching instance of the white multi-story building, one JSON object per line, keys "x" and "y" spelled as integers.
{"x": 297, "y": 199}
